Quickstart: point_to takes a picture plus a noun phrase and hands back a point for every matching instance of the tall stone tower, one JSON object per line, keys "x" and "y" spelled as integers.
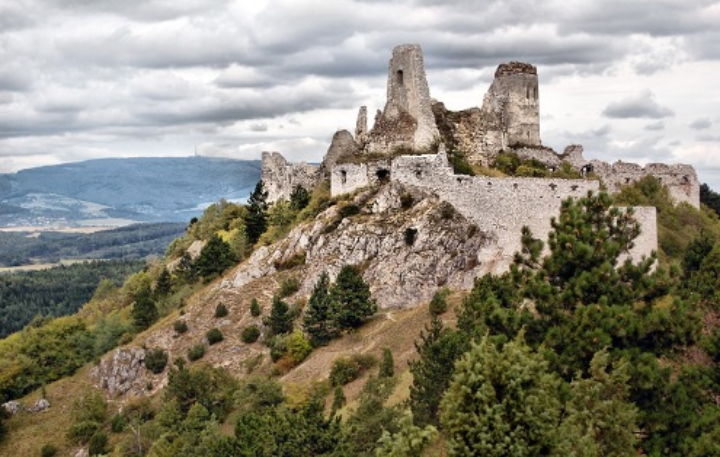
{"x": 514, "y": 101}
{"x": 407, "y": 120}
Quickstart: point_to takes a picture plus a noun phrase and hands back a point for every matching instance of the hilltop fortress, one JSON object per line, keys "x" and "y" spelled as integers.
{"x": 410, "y": 136}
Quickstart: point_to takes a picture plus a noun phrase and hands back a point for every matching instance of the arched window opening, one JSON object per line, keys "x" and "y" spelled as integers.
{"x": 400, "y": 77}
{"x": 343, "y": 176}
{"x": 383, "y": 175}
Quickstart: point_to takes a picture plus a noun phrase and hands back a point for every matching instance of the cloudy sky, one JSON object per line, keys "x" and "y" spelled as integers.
{"x": 635, "y": 80}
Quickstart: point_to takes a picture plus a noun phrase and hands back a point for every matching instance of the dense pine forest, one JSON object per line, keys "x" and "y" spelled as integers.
{"x": 57, "y": 291}
{"x": 571, "y": 352}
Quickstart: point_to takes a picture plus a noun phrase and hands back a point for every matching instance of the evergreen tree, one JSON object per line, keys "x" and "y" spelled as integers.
{"x": 164, "y": 284}
{"x": 257, "y": 216}
{"x": 186, "y": 270}
{"x": 351, "y": 299}
{"x": 299, "y": 198}
{"x": 317, "y": 321}
{"x": 280, "y": 319}
{"x": 432, "y": 371}
{"x": 254, "y": 307}
{"x": 215, "y": 257}
{"x": 501, "y": 403}
{"x": 144, "y": 312}
{"x": 387, "y": 365}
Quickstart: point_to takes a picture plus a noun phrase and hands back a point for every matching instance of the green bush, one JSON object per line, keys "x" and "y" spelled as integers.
{"x": 220, "y": 311}
{"x": 81, "y": 432}
{"x": 298, "y": 347}
{"x": 48, "y": 450}
{"x": 254, "y": 308}
{"x": 180, "y": 326}
{"x": 196, "y": 352}
{"x": 348, "y": 210}
{"x": 155, "y": 360}
{"x": 438, "y": 304}
{"x": 348, "y": 369}
{"x": 250, "y": 334}
{"x": 214, "y": 336}
{"x": 289, "y": 286}
{"x": 98, "y": 443}
{"x": 118, "y": 423}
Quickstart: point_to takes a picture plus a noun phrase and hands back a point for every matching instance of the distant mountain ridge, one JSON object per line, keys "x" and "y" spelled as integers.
{"x": 114, "y": 191}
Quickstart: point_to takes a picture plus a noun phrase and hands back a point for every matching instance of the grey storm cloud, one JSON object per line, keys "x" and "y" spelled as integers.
{"x": 188, "y": 69}
{"x": 702, "y": 123}
{"x": 642, "y": 105}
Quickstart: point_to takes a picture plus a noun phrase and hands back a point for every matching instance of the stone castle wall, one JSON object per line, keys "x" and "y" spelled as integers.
{"x": 681, "y": 180}
{"x": 500, "y": 206}
{"x": 280, "y": 177}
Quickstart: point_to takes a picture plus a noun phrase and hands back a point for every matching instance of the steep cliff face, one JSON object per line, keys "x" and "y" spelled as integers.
{"x": 409, "y": 243}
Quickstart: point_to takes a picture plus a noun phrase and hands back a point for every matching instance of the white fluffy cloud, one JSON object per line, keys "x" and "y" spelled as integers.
{"x": 631, "y": 79}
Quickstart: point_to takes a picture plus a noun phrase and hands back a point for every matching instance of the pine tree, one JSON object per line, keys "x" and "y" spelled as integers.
{"x": 299, "y": 198}
{"x": 215, "y": 257}
{"x": 144, "y": 312}
{"x": 280, "y": 320}
{"x": 257, "y": 216}
{"x": 317, "y": 321}
{"x": 164, "y": 284}
{"x": 387, "y": 365}
{"x": 351, "y": 299}
{"x": 432, "y": 371}
{"x": 501, "y": 402}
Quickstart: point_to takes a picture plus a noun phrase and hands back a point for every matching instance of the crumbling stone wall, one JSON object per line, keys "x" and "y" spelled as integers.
{"x": 681, "y": 180}
{"x": 346, "y": 178}
{"x": 280, "y": 177}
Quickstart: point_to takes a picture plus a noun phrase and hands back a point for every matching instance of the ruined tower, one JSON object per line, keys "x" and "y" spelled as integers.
{"x": 514, "y": 100}
{"x": 407, "y": 120}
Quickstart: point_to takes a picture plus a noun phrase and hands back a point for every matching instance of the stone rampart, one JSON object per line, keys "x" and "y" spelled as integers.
{"x": 346, "y": 178}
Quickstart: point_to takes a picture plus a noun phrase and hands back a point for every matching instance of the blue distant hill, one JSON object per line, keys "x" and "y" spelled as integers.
{"x": 116, "y": 191}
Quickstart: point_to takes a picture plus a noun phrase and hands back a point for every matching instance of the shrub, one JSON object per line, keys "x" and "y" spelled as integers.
{"x": 48, "y": 450}
{"x": 180, "y": 326}
{"x": 438, "y": 304}
{"x": 410, "y": 234}
{"x": 81, "y": 432}
{"x": 118, "y": 423}
{"x": 98, "y": 443}
{"x": 196, "y": 352}
{"x": 298, "y": 347}
{"x": 220, "y": 311}
{"x": 277, "y": 346}
{"x": 294, "y": 261}
{"x": 348, "y": 369}
{"x": 254, "y": 308}
{"x": 288, "y": 287}
{"x": 447, "y": 211}
{"x": 155, "y": 360}
{"x": 214, "y": 336}
{"x": 348, "y": 210}
{"x": 250, "y": 334}
{"x": 406, "y": 200}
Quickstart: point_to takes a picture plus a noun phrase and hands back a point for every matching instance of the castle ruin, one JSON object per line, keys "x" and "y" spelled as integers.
{"x": 508, "y": 120}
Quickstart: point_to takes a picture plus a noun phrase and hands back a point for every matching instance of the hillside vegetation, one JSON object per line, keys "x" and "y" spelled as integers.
{"x": 568, "y": 353}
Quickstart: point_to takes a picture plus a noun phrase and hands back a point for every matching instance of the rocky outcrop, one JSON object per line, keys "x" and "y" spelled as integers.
{"x": 343, "y": 145}
{"x": 408, "y": 242}
{"x": 122, "y": 372}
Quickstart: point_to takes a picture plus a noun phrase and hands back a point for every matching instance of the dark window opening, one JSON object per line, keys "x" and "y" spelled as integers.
{"x": 400, "y": 77}
{"x": 383, "y": 175}
{"x": 418, "y": 174}
{"x": 343, "y": 176}
{"x": 527, "y": 92}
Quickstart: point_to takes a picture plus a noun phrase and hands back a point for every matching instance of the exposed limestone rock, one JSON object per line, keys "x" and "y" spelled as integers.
{"x": 12, "y": 407}
{"x": 39, "y": 406}
{"x": 401, "y": 269}
{"x": 193, "y": 251}
{"x": 121, "y": 372}
{"x": 361, "y": 126}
